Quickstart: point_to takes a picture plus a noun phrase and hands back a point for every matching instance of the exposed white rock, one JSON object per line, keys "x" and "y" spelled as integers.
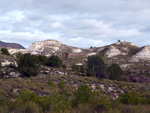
{"x": 40, "y": 46}
{"x": 93, "y": 86}
{"x": 90, "y": 54}
{"x": 129, "y": 43}
{"x": 100, "y": 49}
{"x": 14, "y": 74}
{"x": 102, "y": 86}
{"x": 14, "y": 51}
{"x": 143, "y": 54}
{"x": 125, "y": 65}
{"x": 110, "y": 89}
{"x": 113, "y": 51}
{"x": 76, "y": 50}
{"x": 79, "y": 64}
{"x": 7, "y": 63}
{"x": 48, "y": 48}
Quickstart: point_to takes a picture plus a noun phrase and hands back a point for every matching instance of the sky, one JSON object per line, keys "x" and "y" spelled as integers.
{"x": 78, "y": 23}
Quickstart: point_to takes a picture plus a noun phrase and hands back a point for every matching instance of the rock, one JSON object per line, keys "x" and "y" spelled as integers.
{"x": 143, "y": 54}
{"x": 7, "y": 63}
{"x": 14, "y": 74}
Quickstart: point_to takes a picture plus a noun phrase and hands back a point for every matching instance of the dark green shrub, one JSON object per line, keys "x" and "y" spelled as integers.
{"x": 82, "y": 95}
{"x": 96, "y": 100}
{"x": 54, "y": 61}
{"x": 42, "y": 59}
{"x": 28, "y": 65}
{"x": 133, "y": 98}
{"x": 26, "y": 96}
{"x": 51, "y": 83}
{"x": 64, "y": 66}
{"x": 5, "y": 51}
{"x": 4, "y": 102}
{"x": 96, "y": 66}
{"x": 82, "y": 69}
{"x": 61, "y": 85}
{"x": 29, "y": 107}
{"x": 115, "y": 72}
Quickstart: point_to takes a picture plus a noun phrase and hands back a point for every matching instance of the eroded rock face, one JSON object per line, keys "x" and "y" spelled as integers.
{"x": 143, "y": 54}
{"x": 116, "y": 49}
{"x": 48, "y": 48}
{"x": 14, "y": 51}
{"x": 41, "y": 46}
{"x": 7, "y": 63}
{"x": 113, "y": 51}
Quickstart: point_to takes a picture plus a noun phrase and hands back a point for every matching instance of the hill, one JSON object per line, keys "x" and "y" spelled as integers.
{"x": 10, "y": 45}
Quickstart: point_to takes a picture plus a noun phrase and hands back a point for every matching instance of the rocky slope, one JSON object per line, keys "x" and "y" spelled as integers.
{"x": 10, "y": 45}
{"x": 142, "y": 55}
{"x": 117, "y": 49}
{"x": 123, "y": 49}
{"x": 49, "y": 47}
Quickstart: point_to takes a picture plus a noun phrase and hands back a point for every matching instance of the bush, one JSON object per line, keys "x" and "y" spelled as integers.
{"x": 64, "y": 66}
{"x": 61, "y": 85}
{"x": 133, "y": 98}
{"x": 95, "y": 100}
{"x": 51, "y": 83}
{"x": 82, "y": 95}
{"x": 54, "y": 61}
{"x": 5, "y": 51}
{"x": 29, "y": 107}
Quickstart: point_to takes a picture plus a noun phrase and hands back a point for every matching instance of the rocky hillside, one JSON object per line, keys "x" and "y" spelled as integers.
{"x": 49, "y": 47}
{"x": 10, "y": 45}
{"x": 131, "y": 52}
{"x": 142, "y": 54}
{"x": 117, "y": 49}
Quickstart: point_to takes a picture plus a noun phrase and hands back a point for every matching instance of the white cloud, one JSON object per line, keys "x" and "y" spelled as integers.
{"x": 78, "y": 23}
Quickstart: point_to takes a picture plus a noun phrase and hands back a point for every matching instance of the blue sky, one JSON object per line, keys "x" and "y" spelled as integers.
{"x": 79, "y": 23}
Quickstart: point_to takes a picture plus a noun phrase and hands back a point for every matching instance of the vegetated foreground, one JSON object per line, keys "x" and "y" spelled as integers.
{"x": 56, "y": 94}
{"x": 37, "y": 84}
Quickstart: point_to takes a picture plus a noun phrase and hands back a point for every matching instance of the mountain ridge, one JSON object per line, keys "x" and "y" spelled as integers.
{"x": 54, "y": 47}
{"x": 11, "y": 45}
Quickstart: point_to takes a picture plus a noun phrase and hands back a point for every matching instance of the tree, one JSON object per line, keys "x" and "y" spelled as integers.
{"x": 96, "y": 66}
{"x": 5, "y": 51}
{"x": 119, "y": 40}
{"x": 54, "y": 61}
{"x": 115, "y": 72}
{"x": 28, "y": 65}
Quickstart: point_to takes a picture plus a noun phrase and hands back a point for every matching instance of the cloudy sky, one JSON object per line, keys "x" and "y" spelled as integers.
{"x": 79, "y": 23}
